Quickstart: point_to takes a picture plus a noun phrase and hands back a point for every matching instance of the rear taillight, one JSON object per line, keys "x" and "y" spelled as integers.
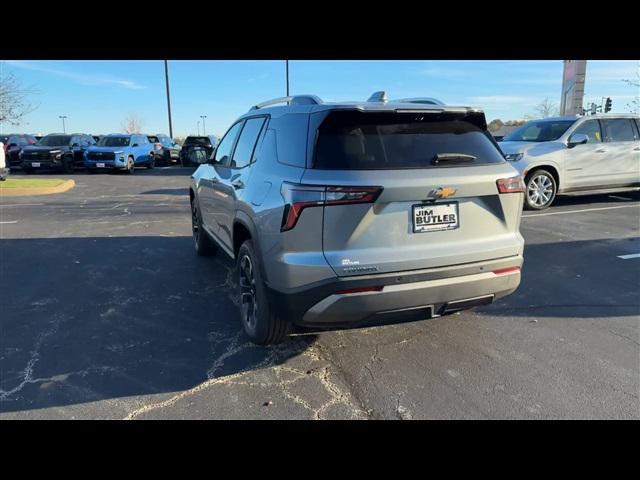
{"x": 511, "y": 185}
{"x": 299, "y": 197}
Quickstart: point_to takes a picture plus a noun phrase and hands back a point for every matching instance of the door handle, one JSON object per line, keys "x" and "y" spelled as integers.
{"x": 601, "y": 151}
{"x": 637, "y": 149}
{"x": 237, "y": 184}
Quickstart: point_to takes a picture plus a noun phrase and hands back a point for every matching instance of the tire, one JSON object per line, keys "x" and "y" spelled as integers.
{"x": 541, "y": 189}
{"x": 131, "y": 168}
{"x": 67, "y": 165}
{"x": 261, "y": 323}
{"x": 203, "y": 244}
{"x": 152, "y": 162}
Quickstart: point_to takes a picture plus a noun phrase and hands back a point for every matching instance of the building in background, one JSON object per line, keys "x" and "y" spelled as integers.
{"x": 573, "y": 78}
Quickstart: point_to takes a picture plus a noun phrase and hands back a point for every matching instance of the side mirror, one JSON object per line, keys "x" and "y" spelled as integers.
{"x": 12, "y": 145}
{"x": 577, "y": 139}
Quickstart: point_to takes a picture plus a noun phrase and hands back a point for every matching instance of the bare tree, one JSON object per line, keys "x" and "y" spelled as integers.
{"x": 132, "y": 124}
{"x": 495, "y": 125}
{"x": 634, "y": 105}
{"x": 544, "y": 109}
{"x": 14, "y": 104}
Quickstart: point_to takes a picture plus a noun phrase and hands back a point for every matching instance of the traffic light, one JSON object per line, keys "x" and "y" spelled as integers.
{"x": 607, "y": 105}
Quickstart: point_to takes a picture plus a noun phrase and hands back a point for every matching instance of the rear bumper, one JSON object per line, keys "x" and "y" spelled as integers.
{"x": 420, "y": 294}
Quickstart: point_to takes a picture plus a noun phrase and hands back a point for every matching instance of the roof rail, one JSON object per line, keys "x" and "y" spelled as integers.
{"x": 290, "y": 100}
{"x": 380, "y": 96}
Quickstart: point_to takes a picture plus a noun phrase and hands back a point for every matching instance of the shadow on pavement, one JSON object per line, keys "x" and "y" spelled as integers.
{"x": 183, "y": 192}
{"x": 87, "y": 319}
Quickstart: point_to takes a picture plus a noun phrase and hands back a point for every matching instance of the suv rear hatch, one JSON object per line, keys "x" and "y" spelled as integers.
{"x": 412, "y": 190}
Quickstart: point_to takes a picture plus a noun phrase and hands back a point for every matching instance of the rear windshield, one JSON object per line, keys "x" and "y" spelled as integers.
{"x": 153, "y": 139}
{"x": 114, "y": 142}
{"x": 373, "y": 141}
{"x": 539, "y": 131}
{"x": 197, "y": 141}
{"x": 55, "y": 140}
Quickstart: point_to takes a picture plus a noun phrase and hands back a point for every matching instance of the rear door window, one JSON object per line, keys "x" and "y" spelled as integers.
{"x": 361, "y": 141}
{"x": 246, "y": 143}
{"x": 618, "y": 130}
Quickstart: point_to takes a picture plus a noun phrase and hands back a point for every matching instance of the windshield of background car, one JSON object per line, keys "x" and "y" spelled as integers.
{"x": 539, "y": 131}
{"x": 114, "y": 142}
{"x": 153, "y": 139}
{"x": 55, "y": 140}
{"x": 361, "y": 141}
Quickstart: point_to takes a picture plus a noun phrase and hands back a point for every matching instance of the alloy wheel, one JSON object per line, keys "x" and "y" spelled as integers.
{"x": 540, "y": 190}
{"x": 248, "y": 300}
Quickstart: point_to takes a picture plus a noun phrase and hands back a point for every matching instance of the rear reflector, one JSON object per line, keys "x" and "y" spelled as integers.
{"x": 503, "y": 271}
{"x": 511, "y": 185}
{"x": 359, "y": 290}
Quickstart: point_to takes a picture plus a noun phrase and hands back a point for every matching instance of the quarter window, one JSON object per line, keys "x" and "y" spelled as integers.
{"x": 590, "y": 128}
{"x": 618, "y": 130}
{"x": 247, "y": 142}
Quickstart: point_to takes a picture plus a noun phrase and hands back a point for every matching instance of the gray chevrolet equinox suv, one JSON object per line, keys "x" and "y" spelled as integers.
{"x": 344, "y": 214}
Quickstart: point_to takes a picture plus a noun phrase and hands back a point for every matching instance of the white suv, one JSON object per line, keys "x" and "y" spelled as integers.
{"x": 575, "y": 154}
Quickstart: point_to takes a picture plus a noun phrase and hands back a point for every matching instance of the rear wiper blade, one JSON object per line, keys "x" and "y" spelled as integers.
{"x": 452, "y": 157}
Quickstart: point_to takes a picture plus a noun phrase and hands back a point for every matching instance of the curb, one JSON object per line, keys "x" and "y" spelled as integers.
{"x": 20, "y": 192}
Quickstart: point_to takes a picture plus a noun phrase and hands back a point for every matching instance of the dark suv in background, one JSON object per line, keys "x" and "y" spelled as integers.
{"x": 13, "y": 145}
{"x": 193, "y": 143}
{"x": 58, "y": 151}
{"x": 165, "y": 150}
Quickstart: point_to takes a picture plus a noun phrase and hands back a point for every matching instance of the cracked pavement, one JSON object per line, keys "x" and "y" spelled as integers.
{"x": 106, "y": 312}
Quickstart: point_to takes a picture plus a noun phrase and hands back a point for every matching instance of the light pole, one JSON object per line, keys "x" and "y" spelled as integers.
{"x": 166, "y": 78}
{"x": 64, "y": 130}
{"x": 287, "y": 74}
{"x": 198, "y": 127}
{"x": 204, "y": 130}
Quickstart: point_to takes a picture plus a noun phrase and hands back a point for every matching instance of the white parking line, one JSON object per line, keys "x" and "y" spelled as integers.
{"x": 631, "y": 255}
{"x": 579, "y": 211}
{"x": 2, "y": 223}
{"x": 20, "y": 204}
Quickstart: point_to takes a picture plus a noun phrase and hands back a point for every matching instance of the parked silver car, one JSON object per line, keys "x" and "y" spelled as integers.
{"x": 342, "y": 214}
{"x": 575, "y": 154}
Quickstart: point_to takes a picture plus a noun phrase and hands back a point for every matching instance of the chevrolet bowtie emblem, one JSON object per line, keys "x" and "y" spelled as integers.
{"x": 443, "y": 192}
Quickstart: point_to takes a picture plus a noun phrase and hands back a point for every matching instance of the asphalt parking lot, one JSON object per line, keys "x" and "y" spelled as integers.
{"x": 106, "y": 312}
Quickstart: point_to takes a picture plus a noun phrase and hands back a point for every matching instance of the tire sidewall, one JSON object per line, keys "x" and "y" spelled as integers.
{"x": 535, "y": 173}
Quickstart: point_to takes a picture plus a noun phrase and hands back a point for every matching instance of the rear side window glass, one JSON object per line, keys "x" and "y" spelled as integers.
{"x": 590, "y": 128}
{"x": 618, "y": 130}
{"x": 223, "y": 152}
{"x": 361, "y": 141}
{"x": 291, "y": 138}
{"x": 247, "y": 142}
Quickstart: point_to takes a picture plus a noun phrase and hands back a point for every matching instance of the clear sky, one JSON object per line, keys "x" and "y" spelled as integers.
{"x": 96, "y": 96}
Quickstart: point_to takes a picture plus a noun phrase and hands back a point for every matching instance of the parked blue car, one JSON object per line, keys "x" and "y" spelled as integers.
{"x": 120, "y": 151}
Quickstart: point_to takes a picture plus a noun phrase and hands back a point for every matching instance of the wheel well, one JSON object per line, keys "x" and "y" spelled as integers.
{"x": 191, "y": 195}
{"x": 548, "y": 168}
{"x": 240, "y": 234}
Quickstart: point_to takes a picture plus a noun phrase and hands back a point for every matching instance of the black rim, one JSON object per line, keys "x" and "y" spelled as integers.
{"x": 195, "y": 227}
{"x": 249, "y": 304}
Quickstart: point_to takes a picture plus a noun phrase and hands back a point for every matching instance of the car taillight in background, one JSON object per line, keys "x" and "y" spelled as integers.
{"x": 299, "y": 197}
{"x": 511, "y": 185}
